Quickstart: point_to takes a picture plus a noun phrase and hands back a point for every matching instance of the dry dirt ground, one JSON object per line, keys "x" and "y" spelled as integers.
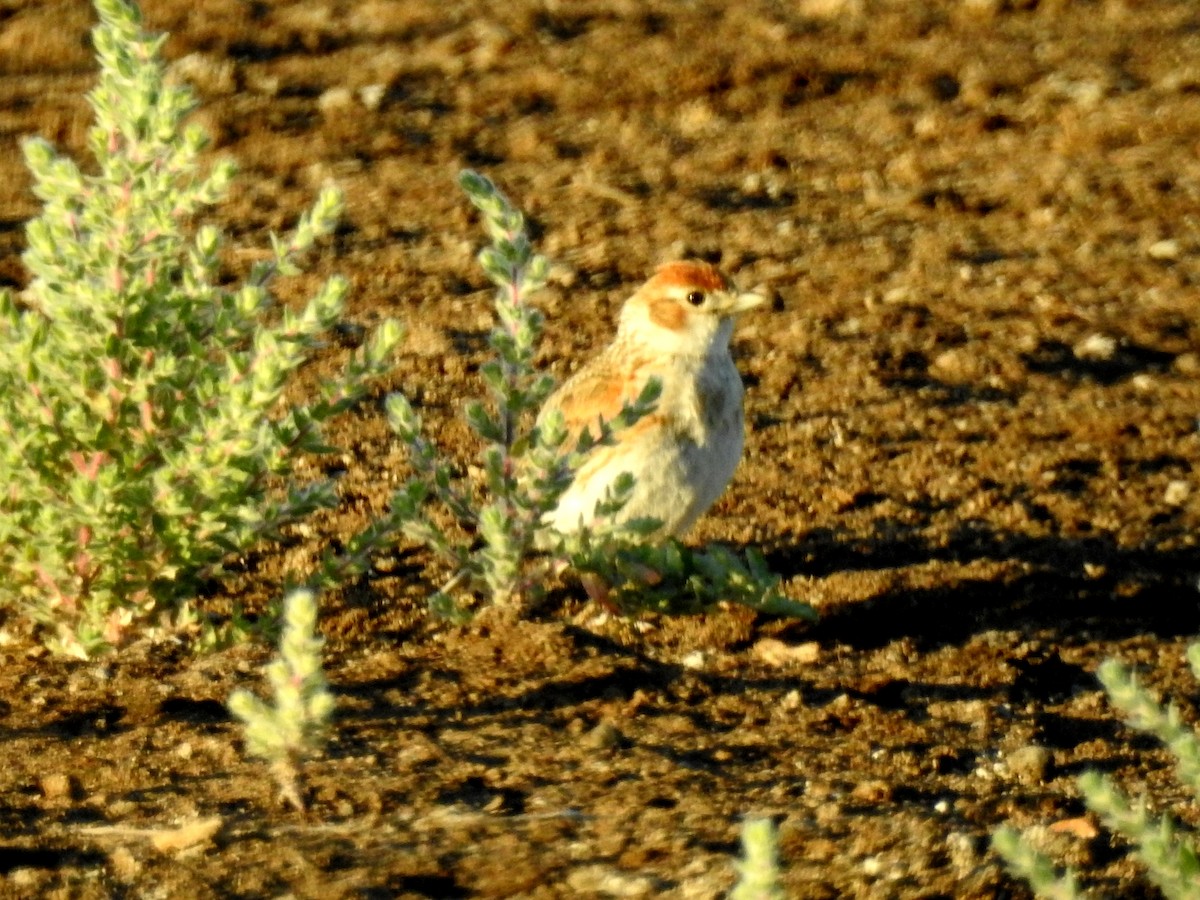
{"x": 973, "y": 440}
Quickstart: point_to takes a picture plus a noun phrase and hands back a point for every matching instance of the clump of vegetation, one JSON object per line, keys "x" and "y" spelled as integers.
{"x": 1165, "y": 848}
{"x": 296, "y": 724}
{"x": 525, "y": 469}
{"x": 493, "y": 534}
{"x": 758, "y": 870}
{"x": 141, "y": 400}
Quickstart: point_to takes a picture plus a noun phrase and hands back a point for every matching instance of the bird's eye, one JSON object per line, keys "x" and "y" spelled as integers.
{"x": 695, "y": 298}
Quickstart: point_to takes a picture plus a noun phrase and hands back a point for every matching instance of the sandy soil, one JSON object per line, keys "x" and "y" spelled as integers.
{"x": 973, "y": 439}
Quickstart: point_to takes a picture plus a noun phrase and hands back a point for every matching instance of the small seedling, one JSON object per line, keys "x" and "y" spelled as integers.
{"x": 758, "y": 871}
{"x": 295, "y": 725}
{"x": 1165, "y": 848}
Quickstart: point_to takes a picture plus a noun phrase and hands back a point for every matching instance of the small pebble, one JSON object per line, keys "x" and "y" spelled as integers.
{"x": 210, "y": 74}
{"x": 1165, "y": 250}
{"x": 873, "y": 791}
{"x": 194, "y": 833}
{"x": 25, "y": 877}
{"x": 372, "y": 95}
{"x": 599, "y": 880}
{"x": 1030, "y": 764}
{"x": 962, "y": 851}
{"x": 775, "y": 652}
{"x": 1187, "y": 364}
{"x": 60, "y": 786}
{"x": 1096, "y": 347}
{"x": 124, "y": 864}
{"x": 1177, "y": 493}
{"x": 335, "y": 100}
{"x": 603, "y": 737}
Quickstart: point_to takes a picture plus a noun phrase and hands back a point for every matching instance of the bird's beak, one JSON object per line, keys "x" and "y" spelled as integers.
{"x": 738, "y": 303}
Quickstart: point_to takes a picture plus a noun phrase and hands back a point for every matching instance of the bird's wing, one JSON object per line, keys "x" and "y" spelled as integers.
{"x": 599, "y": 391}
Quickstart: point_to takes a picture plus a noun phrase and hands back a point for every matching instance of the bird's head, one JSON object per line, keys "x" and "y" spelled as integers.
{"x": 687, "y": 308}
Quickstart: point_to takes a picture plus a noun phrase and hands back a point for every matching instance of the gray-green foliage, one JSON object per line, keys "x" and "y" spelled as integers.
{"x": 526, "y": 469}
{"x": 1165, "y": 848}
{"x": 758, "y": 870}
{"x": 626, "y": 572}
{"x": 141, "y": 400}
{"x": 1025, "y": 862}
{"x": 295, "y": 724}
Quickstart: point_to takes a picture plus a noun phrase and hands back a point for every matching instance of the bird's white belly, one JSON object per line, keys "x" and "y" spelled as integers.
{"x": 677, "y": 478}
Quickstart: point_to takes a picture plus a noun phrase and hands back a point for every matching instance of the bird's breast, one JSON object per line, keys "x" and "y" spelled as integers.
{"x": 707, "y": 403}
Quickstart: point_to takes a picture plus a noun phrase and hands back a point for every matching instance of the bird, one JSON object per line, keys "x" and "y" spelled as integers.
{"x": 677, "y": 327}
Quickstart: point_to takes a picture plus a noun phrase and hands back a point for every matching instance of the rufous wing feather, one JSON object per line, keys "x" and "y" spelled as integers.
{"x": 599, "y": 391}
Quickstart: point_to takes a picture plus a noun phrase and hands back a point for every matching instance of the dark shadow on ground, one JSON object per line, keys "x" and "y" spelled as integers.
{"x": 1065, "y": 584}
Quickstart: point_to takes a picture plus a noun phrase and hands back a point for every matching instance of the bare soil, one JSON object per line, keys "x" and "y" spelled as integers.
{"x": 972, "y": 446}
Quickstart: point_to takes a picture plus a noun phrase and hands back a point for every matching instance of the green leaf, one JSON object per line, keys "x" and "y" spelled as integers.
{"x": 483, "y": 423}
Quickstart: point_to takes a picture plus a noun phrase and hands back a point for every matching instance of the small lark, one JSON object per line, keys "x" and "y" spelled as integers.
{"x": 677, "y": 326}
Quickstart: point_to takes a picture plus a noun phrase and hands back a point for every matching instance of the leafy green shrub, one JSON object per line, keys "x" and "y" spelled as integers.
{"x": 1168, "y": 851}
{"x": 142, "y": 419}
{"x": 496, "y": 540}
{"x": 296, "y": 725}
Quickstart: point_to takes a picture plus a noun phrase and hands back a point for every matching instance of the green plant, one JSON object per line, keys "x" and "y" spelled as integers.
{"x": 758, "y": 870}
{"x": 495, "y": 539}
{"x": 1168, "y": 851}
{"x": 296, "y": 724}
{"x": 526, "y": 470}
{"x": 626, "y": 573}
{"x": 142, "y": 409}
{"x": 1026, "y": 863}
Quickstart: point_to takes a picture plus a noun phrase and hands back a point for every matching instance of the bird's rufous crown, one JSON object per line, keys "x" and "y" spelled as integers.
{"x": 691, "y": 273}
